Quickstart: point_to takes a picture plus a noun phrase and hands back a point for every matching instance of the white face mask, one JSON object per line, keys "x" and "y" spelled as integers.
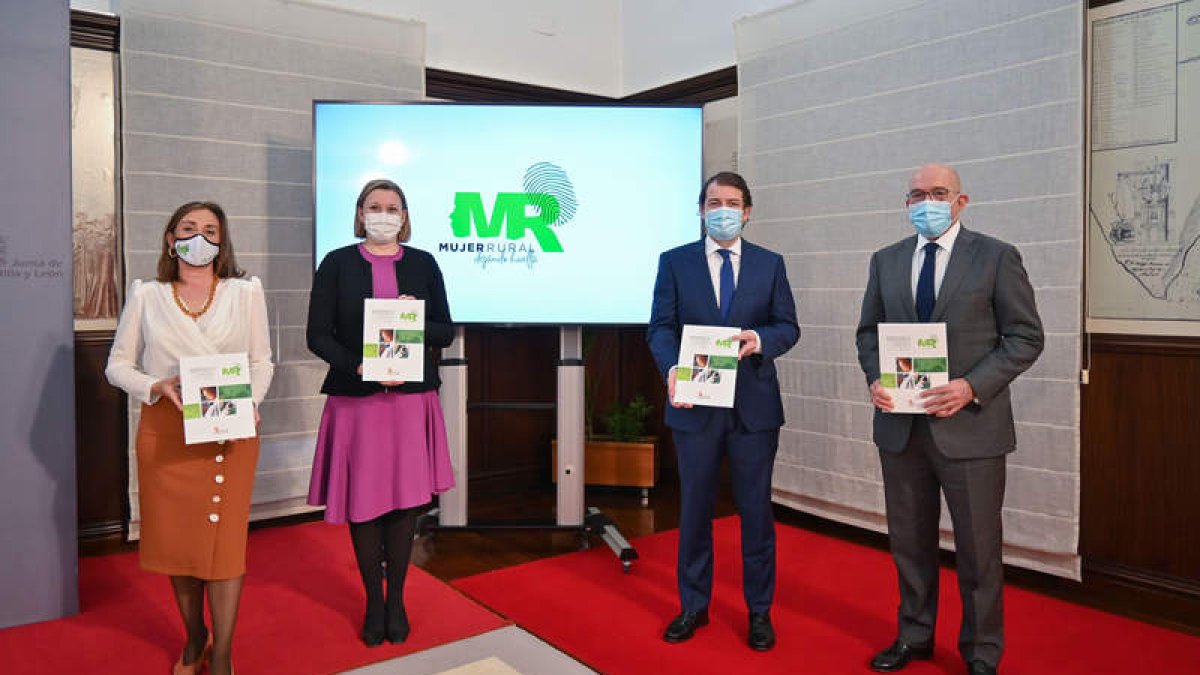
{"x": 196, "y": 250}
{"x": 382, "y": 228}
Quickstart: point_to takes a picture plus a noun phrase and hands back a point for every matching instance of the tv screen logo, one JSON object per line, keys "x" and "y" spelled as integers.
{"x": 547, "y": 202}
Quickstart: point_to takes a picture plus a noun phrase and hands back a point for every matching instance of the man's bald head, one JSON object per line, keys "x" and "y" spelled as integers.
{"x": 942, "y": 175}
{"x": 940, "y": 182}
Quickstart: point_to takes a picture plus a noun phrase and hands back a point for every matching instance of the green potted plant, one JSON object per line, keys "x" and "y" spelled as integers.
{"x": 625, "y": 455}
{"x": 628, "y": 422}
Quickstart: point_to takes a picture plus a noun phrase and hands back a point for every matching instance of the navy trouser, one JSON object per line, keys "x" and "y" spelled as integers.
{"x": 751, "y": 460}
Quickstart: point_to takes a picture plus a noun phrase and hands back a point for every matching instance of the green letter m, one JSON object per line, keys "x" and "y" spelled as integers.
{"x": 510, "y": 206}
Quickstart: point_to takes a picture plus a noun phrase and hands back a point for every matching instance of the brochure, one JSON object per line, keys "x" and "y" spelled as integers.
{"x": 393, "y": 340}
{"x": 912, "y": 359}
{"x": 217, "y": 401}
{"x": 707, "y": 370}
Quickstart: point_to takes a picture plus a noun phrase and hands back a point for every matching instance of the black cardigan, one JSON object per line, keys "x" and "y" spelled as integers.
{"x": 335, "y": 316}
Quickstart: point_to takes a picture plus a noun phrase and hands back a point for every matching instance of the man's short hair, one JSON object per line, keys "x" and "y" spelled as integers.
{"x": 728, "y": 179}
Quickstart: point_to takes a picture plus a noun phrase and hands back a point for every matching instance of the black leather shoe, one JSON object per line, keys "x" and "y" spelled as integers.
{"x": 980, "y": 668}
{"x": 762, "y": 635}
{"x": 896, "y": 656}
{"x": 684, "y": 626}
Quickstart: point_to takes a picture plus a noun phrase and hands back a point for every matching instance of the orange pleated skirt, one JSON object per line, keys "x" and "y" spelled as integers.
{"x": 194, "y": 499}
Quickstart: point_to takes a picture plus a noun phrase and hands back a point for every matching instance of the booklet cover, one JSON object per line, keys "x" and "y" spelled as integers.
{"x": 912, "y": 359}
{"x": 393, "y": 340}
{"x": 217, "y": 403}
{"x": 707, "y": 370}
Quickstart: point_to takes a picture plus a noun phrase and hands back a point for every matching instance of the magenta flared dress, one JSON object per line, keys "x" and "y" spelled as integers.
{"x": 380, "y": 452}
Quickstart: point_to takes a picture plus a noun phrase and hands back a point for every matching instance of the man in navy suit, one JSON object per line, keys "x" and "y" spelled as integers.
{"x": 723, "y": 280}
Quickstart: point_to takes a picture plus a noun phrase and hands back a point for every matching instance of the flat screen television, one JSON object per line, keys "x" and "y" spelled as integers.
{"x": 537, "y": 214}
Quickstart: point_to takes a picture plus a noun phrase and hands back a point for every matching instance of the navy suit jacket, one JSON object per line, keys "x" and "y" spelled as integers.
{"x": 762, "y": 302}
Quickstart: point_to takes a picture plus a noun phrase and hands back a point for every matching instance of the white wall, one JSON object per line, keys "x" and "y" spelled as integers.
{"x": 102, "y": 6}
{"x": 665, "y": 41}
{"x": 573, "y": 45}
{"x": 721, "y": 136}
{"x": 607, "y": 47}
{"x": 564, "y": 44}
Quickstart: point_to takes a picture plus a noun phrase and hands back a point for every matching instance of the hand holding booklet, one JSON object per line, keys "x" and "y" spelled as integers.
{"x": 913, "y": 358}
{"x": 217, "y": 401}
{"x": 393, "y": 340}
{"x": 707, "y": 370}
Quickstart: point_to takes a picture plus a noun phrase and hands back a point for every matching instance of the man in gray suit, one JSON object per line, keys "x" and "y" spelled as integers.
{"x": 978, "y": 287}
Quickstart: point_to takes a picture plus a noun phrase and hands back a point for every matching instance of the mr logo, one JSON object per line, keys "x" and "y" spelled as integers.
{"x": 927, "y": 343}
{"x": 520, "y": 211}
{"x": 548, "y": 201}
{"x": 232, "y": 370}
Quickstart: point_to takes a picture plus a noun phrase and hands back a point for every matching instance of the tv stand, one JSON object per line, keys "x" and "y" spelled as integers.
{"x": 570, "y": 512}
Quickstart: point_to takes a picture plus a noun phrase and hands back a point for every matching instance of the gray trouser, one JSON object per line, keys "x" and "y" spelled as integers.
{"x": 974, "y": 490}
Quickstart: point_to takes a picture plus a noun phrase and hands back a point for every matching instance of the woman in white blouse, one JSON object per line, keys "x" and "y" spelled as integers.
{"x": 194, "y": 499}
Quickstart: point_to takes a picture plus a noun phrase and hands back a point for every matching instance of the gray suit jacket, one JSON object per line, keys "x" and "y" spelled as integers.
{"x": 992, "y": 327}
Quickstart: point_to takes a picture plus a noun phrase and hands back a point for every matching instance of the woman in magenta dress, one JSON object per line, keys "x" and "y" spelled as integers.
{"x": 381, "y": 449}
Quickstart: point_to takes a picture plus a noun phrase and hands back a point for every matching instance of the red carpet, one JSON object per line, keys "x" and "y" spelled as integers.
{"x": 301, "y": 612}
{"x": 835, "y": 605}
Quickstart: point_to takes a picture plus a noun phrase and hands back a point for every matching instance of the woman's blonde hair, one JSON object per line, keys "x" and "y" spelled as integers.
{"x": 360, "y": 229}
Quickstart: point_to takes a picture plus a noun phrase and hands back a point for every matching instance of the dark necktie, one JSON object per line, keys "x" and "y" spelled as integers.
{"x": 925, "y": 283}
{"x": 726, "y": 289}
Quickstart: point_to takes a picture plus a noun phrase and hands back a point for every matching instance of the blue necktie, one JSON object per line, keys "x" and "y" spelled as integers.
{"x": 925, "y": 283}
{"x": 726, "y": 289}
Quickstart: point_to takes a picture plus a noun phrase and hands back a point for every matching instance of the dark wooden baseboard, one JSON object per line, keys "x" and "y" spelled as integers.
{"x": 467, "y": 88}
{"x": 1167, "y": 601}
{"x": 95, "y": 31}
{"x": 1139, "y": 457}
{"x": 712, "y": 86}
{"x": 103, "y": 538}
{"x": 101, "y": 442}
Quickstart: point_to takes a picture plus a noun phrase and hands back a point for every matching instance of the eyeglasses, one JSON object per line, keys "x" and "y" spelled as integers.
{"x": 940, "y": 194}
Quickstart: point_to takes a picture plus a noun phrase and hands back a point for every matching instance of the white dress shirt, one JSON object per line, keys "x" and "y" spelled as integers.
{"x": 945, "y": 246}
{"x": 714, "y": 259}
{"x": 154, "y": 333}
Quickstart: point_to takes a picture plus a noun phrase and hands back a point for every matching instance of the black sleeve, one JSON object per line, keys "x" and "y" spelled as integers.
{"x": 439, "y": 330}
{"x": 322, "y": 319}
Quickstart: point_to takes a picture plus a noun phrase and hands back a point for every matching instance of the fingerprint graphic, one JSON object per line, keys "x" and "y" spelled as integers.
{"x": 545, "y": 178}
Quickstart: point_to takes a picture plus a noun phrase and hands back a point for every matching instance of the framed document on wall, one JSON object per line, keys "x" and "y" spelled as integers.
{"x": 1143, "y": 218}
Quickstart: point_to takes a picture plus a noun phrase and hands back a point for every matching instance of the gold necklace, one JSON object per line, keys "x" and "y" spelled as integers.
{"x": 212, "y": 291}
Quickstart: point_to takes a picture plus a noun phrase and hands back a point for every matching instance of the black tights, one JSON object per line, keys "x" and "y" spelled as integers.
{"x": 223, "y": 597}
{"x": 384, "y": 543}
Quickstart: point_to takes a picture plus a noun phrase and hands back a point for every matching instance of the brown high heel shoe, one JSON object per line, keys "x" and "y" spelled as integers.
{"x": 199, "y": 665}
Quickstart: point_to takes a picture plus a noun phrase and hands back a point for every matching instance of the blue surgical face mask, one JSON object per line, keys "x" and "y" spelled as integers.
{"x": 723, "y": 224}
{"x": 930, "y": 218}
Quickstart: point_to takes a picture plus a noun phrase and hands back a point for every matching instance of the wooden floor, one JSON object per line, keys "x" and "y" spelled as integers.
{"x": 451, "y": 554}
